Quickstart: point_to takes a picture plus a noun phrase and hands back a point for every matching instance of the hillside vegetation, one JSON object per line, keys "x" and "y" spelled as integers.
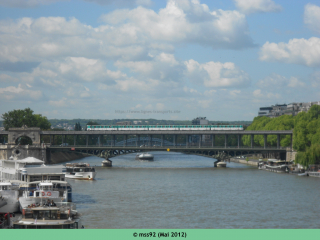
{"x": 306, "y": 134}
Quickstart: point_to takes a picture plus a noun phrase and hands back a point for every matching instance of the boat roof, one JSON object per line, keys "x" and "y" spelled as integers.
{"x": 77, "y": 165}
{"x": 30, "y": 160}
{"x": 46, "y": 183}
{"x": 5, "y": 184}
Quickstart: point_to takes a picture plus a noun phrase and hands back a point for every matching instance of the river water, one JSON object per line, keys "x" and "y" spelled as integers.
{"x": 186, "y": 192}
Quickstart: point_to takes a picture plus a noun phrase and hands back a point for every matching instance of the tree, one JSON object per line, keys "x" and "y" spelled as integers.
{"x": 18, "y": 118}
{"x": 77, "y": 127}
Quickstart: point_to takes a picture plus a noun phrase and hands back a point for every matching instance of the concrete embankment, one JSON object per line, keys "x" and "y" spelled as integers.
{"x": 252, "y": 162}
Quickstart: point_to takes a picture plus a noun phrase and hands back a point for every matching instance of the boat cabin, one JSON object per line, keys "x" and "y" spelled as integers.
{"x": 43, "y": 217}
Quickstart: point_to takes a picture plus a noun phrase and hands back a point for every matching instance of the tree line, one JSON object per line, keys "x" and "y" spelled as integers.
{"x": 306, "y": 134}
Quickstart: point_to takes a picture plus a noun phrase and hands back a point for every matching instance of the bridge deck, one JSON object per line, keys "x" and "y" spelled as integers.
{"x": 156, "y": 132}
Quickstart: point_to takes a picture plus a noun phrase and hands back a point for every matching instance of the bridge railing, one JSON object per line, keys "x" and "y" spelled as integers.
{"x": 165, "y": 147}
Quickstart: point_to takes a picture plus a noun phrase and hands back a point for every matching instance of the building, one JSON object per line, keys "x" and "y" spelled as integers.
{"x": 286, "y": 109}
{"x": 200, "y": 121}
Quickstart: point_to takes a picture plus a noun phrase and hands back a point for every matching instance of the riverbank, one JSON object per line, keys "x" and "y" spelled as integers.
{"x": 252, "y": 162}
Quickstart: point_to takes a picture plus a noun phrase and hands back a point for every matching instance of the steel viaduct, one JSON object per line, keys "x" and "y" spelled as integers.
{"x": 48, "y": 140}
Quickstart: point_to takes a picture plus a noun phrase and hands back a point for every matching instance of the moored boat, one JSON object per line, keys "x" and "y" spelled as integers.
{"x": 56, "y": 191}
{"x": 278, "y": 166}
{"x": 60, "y": 216}
{"x": 81, "y": 171}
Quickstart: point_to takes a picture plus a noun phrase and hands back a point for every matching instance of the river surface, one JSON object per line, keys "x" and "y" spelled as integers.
{"x": 186, "y": 192}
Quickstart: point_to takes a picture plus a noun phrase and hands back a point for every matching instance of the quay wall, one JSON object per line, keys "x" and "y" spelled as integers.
{"x": 239, "y": 160}
{"x": 18, "y": 152}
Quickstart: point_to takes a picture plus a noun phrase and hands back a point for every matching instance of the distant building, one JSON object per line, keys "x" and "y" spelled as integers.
{"x": 286, "y": 109}
{"x": 200, "y": 121}
{"x": 124, "y": 123}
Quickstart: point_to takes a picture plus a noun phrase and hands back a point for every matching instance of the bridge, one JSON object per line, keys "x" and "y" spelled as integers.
{"x": 105, "y": 142}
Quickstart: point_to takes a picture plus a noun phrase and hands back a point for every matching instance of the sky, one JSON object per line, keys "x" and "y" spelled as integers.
{"x": 175, "y": 59}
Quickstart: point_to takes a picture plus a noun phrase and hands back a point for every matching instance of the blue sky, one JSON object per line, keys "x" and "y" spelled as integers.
{"x": 109, "y": 59}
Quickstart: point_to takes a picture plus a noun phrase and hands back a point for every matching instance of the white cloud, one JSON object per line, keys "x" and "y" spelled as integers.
{"x": 253, "y": 6}
{"x": 312, "y": 17}
{"x": 26, "y": 3}
{"x": 258, "y": 94}
{"x": 276, "y": 81}
{"x": 20, "y": 93}
{"x": 178, "y": 23}
{"x": 35, "y": 3}
{"x": 216, "y": 74}
{"x": 298, "y": 51}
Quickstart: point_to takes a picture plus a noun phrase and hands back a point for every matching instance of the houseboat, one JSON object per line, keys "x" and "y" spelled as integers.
{"x": 49, "y": 216}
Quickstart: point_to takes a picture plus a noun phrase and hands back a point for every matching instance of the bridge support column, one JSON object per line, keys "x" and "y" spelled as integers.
{"x": 174, "y": 140}
{"x": 278, "y": 140}
{"x": 225, "y": 140}
{"x": 65, "y": 138}
{"x": 137, "y": 140}
{"x": 50, "y": 136}
{"x": 162, "y": 140}
{"x": 87, "y": 140}
{"x": 265, "y": 141}
{"x": 52, "y": 139}
{"x": 291, "y": 142}
{"x": 213, "y": 140}
{"x": 100, "y": 139}
{"x": 74, "y": 140}
{"x": 200, "y": 141}
{"x": 252, "y": 136}
{"x": 151, "y": 140}
{"x": 125, "y": 137}
{"x": 187, "y": 141}
{"x": 239, "y": 139}
{"x": 113, "y": 141}
{"x": 62, "y": 140}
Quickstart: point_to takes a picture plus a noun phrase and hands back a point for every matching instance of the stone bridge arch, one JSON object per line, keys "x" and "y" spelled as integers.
{"x": 33, "y": 133}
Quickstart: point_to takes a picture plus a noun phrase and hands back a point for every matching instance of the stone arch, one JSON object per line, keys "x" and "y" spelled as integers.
{"x": 16, "y": 133}
{"x": 23, "y": 140}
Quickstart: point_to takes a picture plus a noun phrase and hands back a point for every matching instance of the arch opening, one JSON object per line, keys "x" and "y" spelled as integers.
{"x": 23, "y": 140}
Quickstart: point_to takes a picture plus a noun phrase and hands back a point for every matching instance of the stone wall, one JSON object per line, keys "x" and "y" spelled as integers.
{"x": 39, "y": 152}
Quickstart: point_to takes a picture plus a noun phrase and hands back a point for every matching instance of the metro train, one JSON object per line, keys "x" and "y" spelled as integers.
{"x": 163, "y": 127}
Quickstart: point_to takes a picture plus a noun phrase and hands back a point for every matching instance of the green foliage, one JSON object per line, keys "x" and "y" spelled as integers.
{"x": 284, "y": 122}
{"x": 310, "y": 156}
{"x": 18, "y": 118}
{"x": 306, "y": 134}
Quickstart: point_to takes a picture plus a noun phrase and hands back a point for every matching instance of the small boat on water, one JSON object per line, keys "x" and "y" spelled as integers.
{"x": 106, "y": 163}
{"x": 55, "y": 216}
{"x": 144, "y": 156}
{"x": 81, "y": 171}
{"x": 313, "y": 170}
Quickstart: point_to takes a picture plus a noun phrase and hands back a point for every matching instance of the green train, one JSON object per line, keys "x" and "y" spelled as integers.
{"x": 163, "y": 127}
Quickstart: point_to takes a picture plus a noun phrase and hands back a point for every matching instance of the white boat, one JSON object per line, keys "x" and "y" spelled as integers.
{"x": 9, "y": 197}
{"x": 106, "y": 163}
{"x": 81, "y": 171}
{"x": 60, "y": 216}
{"x": 46, "y": 190}
{"x": 144, "y": 156}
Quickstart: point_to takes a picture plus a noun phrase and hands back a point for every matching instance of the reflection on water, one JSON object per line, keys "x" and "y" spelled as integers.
{"x": 186, "y": 191}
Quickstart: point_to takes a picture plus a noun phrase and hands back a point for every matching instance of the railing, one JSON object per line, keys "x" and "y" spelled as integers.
{"x": 171, "y": 147}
